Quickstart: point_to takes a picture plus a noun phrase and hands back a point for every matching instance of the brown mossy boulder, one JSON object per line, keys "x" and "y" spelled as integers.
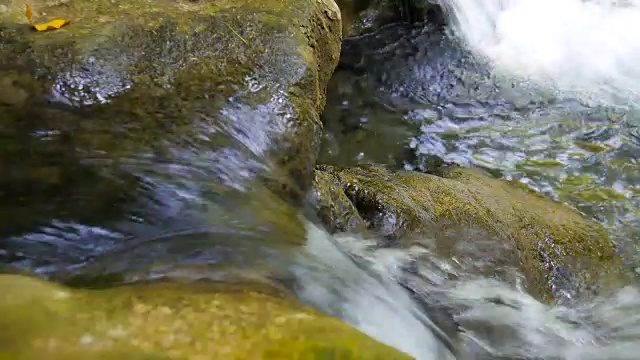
{"x": 195, "y": 321}
{"x": 145, "y": 117}
{"x": 553, "y": 243}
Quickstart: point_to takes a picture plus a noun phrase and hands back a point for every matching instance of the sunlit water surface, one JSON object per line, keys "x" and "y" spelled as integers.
{"x": 540, "y": 91}
{"x": 544, "y": 92}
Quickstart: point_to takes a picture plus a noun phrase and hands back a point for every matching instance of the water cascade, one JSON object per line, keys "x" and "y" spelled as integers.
{"x": 585, "y": 48}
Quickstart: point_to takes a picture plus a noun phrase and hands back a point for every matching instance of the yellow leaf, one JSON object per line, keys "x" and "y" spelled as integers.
{"x": 52, "y": 25}
{"x": 28, "y": 13}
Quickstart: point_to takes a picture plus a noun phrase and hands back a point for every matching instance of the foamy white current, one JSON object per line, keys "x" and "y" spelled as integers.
{"x": 499, "y": 320}
{"x": 332, "y": 282}
{"x": 582, "y": 49}
{"x": 586, "y": 48}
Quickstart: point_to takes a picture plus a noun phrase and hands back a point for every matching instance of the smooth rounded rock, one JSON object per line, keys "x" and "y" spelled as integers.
{"x": 170, "y": 321}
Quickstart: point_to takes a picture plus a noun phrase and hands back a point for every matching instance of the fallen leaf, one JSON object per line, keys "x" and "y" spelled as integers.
{"x": 51, "y": 25}
{"x": 28, "y": 13}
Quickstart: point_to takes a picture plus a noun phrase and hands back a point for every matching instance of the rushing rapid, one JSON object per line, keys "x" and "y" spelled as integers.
{"x": 538, "y": 91}
{"x": 355, "y": 279}
{"x": 544, "y": 92}
{"x": 589, "y": 49}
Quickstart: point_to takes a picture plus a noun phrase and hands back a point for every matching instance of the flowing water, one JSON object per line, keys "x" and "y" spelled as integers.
{"x": 544, "y": 92}
{"x": 493, "y": 319}
{"x": 588, "y": 49}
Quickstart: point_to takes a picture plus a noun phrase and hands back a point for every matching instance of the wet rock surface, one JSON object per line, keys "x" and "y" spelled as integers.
{"x": 365, "y": 16}
{"x": 389, "y": 81}
{"x": 171, "y": 321}
{"x": 551, "y": 244}
{"x": 140, "y": 121}
{"x": 413, "y": 64}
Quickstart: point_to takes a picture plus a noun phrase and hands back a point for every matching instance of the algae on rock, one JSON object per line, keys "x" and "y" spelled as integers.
{"x": 170, "y": 321}
{"x": 555, "y": 245}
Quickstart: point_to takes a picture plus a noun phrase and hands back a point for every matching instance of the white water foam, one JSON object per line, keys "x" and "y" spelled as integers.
{"x": 589, "y": 49}
{"x": 500, "y": 320}
{"x": 377, "y": 305}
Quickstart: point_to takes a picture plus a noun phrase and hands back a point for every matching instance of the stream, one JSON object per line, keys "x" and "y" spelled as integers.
{"x": 544, "y": 92}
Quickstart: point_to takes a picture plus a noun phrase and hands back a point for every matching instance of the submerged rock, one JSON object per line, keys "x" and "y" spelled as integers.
{"x": 170, "y": 321}
{"x": 556, "y": 248}
{"x": 141, "y": 119}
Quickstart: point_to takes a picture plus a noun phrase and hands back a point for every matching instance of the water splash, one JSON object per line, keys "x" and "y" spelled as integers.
{"x": 330, "y": 280}
{"x": 352, "y": 278}
{"x": 510, "y": 323}
{"x": 588, "y": 49}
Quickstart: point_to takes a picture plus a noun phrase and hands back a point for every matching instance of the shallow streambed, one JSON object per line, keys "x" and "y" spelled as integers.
{"x": 412, "y": 96}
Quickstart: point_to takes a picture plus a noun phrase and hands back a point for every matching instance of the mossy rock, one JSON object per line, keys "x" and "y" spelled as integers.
{"x": 555, "y": 245}
{"x": 149, "y": 111}
{"x": 170, "y": 321}
{"x": 128, "y": 75}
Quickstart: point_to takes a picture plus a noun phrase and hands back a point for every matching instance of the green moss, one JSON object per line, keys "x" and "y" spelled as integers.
{"x": 591, "y": 146}
{"x": 578, "y": 180}
{"x": 526, "y": 188}
{"x": 170, "y": 321}
{"x": 333, "y": 205}
{"x": 539, "y": 163}
{"x": 546, "y": 234}
{"x": 599, "y": 195}
{"x": 445, "y": 136}
{"x": 624, "y": 164}
{"x": 576, "y": 155}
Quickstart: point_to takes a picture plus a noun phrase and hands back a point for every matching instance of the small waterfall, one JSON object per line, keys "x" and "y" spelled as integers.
{"x": 587, "y": 49}
{"x": 329, "y": 279}
{"x": 349, "y": 277}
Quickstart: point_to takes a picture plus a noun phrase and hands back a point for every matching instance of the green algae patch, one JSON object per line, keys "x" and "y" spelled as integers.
{"x": 591, "y": 146}
{"x": 585, "y": 188}
{"x": 555, "y": 245}
{"x": 539, "y": 163}
{"x": 170, "y": 321}
{"x": 334, "y": 206}
{"x": 599, "y": 195}
{"x": 578, "y": 180}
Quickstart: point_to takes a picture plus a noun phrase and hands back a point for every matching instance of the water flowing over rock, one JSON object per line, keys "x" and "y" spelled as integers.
{"x": 558, "y": 250}
{"x": 168, "y": 140}
{"x": 139, "y": 120}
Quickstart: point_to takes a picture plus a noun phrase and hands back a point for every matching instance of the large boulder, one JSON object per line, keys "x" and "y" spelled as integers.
{"x": 555, "y": 247}
{"x": 145, "y": 118}
{"x": 170, "y": 321}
